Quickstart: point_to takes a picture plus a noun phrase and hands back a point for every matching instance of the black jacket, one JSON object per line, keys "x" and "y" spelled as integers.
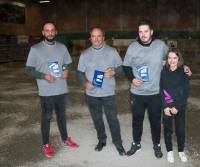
{"x": 175, "y": 87}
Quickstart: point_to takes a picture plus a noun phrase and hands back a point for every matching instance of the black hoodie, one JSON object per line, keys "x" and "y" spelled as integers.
{"x": 174, "y": 87}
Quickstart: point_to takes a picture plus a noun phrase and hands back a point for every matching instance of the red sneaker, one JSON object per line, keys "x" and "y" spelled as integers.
{"x": 47, "y": 150}
{"x": 70, "y": 143}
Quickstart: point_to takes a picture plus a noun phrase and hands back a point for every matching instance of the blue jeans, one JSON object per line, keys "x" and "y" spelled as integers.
{"x": 107, "y": 104}
{"x": 138, "y": 105}
{"x": 48, "y": 104}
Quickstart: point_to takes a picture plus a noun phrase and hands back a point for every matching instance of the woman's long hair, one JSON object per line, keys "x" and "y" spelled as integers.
{"x": 179, "y": 55}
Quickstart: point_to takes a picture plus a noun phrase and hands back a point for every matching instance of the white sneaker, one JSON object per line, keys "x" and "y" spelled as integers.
{"x": 182, "y": 156}
{"x": 170, "y": 157}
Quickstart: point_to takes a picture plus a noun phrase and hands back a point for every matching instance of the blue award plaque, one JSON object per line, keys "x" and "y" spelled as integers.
{"x": 142, "y": 72}
{"x": 98, "y": 78}
{"x": 54, "y": 69}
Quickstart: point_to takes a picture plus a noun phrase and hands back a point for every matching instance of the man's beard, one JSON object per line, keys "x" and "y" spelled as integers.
{"x": 144, "y": 40}
{"x": 49, "y": 39}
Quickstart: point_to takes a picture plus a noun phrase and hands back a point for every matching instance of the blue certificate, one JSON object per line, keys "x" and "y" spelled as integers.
{"x": 54, "y": 69}
{"x": 142, "y": 72}
{"x": 98, "y": 78}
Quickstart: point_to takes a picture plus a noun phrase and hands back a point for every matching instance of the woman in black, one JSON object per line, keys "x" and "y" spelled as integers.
{"x": 174, "y": 91}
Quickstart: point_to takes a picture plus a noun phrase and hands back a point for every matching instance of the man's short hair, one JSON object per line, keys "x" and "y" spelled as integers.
{"x": 145, "y": 22}
{"x": 49, "y": 22}
{"x": 99, "y": 28}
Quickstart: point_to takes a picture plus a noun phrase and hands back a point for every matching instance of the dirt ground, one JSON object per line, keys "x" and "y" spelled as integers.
{"x": 20, "y": 141}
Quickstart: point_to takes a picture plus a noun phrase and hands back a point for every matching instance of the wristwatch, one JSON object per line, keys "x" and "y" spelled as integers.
{"x": 64, "y": 68}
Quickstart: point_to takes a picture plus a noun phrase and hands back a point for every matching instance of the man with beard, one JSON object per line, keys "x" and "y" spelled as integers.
{"x": 49, "y": 63}
{"x": 142, "y": 64}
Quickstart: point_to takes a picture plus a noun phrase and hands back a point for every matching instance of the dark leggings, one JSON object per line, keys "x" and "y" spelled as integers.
{"x": 179, "y": 119}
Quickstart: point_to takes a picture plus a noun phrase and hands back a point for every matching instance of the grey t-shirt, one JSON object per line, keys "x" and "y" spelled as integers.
{"x": 49, "y": 59}
{"x": 99, "y": 59}
{"x": 146, "y": 63}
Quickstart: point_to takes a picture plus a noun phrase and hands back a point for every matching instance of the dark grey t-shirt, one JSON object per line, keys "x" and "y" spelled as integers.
{"x": 147, "y": 62}
{"x": 99, "y": 59}
{"x": 49, "y": 59}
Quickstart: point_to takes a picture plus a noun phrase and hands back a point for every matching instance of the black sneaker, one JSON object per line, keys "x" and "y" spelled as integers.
{"x": 157, "y": 151}
{"x": 121, "y": 150}
{"x": 134, "y": 148}
{"x": 99, "y": 146}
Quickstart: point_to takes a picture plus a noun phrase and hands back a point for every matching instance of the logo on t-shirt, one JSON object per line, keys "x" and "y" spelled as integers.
{"x": 142, "y": 72}
{"x": 98, "y": 78}
{"x": 168, "y": 98}
{"x": 54, "y": 69}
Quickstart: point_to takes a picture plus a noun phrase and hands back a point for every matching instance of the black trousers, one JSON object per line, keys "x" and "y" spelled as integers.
{"x": 48, "y": 104}
{"x": 138, "y": 105}
{"x": 179, "y": 120}
{"x": 96, "y": 107}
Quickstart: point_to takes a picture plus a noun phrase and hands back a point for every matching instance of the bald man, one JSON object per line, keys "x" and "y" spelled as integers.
{"x": 49, "y": 63}
{"x": 97, "y": 68}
